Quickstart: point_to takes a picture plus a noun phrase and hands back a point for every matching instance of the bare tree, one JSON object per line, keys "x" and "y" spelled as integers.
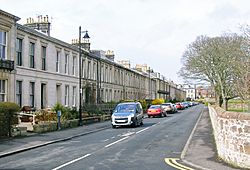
{"x": 212, "y": 60}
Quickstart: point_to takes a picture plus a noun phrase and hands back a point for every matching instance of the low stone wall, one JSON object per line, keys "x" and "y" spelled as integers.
{"x": 232, "y": 136}
{"x": 48, "y": 126}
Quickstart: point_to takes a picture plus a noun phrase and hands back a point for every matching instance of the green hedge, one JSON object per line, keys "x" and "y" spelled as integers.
{"x": 7, "y": 117}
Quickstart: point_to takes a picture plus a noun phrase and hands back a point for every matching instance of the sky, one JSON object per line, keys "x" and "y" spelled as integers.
{"x": 152, "y": 32}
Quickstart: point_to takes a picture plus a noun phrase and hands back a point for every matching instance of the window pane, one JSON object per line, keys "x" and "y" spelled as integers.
{"x": 2, "y": 38}
{"x": 3, "y": 86}
{"x": 43, "y": 58}
{"x": 2, "y": 52}
{"x": 2, "y": 45}
{"x": 1, "y": 98}
{"x": 32, "y": 54}
{"x": 57, "y": 61}
{"x": 19, "y": 51}
{"x": 32, "y": 47}
{"x": 32, "y": 91}
{"x": 19, "y": 93}
{"x": 2, "y": 91}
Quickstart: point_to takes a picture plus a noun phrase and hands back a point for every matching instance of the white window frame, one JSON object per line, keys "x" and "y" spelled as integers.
{"x": 19, "y": 92}
{"x": 94, "y": 71}
{"x": 66, "y": 99}
{"x": 32, "y": 54}
{"x": 44, "y": 57}
{"x": 89, "y": 70}
{"x": 3, "y": 46}
{"x": 3, "y": 90}
{"x": 19, "y": 51}
{"x": 58, "y": 55}
{"x": 32, "y": 94}
{"x": 74, "y": 66}
{"x": 74, "y": 96}
{"x": 66, "y": 67}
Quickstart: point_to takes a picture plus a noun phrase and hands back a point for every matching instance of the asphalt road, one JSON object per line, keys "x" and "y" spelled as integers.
{"x": 141, "y": 148}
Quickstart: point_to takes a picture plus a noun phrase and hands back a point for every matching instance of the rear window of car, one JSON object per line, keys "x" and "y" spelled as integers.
{"x": 154, "y": 107}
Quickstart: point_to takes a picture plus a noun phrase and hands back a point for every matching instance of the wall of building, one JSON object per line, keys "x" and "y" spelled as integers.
{"x": 8, "y": 25}
{"x": 232, "y": 136}
{"x": 112, "y": 81}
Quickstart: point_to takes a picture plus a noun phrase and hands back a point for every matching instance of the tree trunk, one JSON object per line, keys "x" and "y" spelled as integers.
{"x": 220, "y": 100}
{"x": 225, "y": 101}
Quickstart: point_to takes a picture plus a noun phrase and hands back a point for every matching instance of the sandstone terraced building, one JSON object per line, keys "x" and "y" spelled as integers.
{"x": 38, "y": 70}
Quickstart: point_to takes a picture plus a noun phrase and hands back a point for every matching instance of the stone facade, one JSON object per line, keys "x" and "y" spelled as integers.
{"x": 232, "y": 136}
{"x": 46, "y": 72}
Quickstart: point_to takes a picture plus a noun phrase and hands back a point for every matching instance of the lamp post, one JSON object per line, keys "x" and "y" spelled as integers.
{"x": 150, "y": 84}
{"x": 86, "y": 37}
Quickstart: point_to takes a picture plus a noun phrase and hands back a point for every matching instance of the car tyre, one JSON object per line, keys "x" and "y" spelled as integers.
{"x": 135, "y": 124}
{"x": 141, "y": 121}
{"x": 161, "y": 115}
{"x": 113, "y": 126}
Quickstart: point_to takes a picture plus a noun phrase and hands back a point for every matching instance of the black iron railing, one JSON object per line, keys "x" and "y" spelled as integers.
{"x": 6, "y": 64}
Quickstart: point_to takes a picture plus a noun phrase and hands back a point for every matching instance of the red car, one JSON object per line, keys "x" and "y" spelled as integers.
{"x": 179, "y": 106}
{"x": 156, "y": 110}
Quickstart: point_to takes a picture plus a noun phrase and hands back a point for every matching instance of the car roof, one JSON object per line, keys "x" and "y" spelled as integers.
{"x": 128, "y": 103}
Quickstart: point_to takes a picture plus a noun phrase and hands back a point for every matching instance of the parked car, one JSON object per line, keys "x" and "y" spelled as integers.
{"x": 129, "y": 113}
{"x": 174, "y": 108}
{"x": 168, "y": 107}
{"x": 156, "y": 110}
{"x": 179, "y": 106}
{"x": 185, "y": 104}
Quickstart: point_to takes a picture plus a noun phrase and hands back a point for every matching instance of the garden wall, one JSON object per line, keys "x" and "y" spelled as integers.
{"x": 232, "y": 136}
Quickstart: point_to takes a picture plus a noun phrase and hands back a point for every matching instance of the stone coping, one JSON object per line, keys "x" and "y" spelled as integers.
{"x": 231, "y": 115}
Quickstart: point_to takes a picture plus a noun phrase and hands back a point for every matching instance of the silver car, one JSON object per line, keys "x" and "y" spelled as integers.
{"x": 130, "y": 113}
{"x": 168, "y": 107}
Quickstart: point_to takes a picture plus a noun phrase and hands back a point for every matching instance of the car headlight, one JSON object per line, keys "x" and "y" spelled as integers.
{"x": 132, "y": 115}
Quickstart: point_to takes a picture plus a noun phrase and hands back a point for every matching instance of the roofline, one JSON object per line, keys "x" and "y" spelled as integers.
{"x": 15, "y": 18}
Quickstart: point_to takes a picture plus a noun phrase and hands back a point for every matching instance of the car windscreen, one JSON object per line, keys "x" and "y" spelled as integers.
{"x": 125, "y": 108}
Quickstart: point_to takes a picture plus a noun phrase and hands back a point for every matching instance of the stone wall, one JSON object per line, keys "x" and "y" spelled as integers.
{"x": 232, "y": 136}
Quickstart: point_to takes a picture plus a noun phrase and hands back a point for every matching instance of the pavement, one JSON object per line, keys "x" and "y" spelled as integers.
{"x": 199, "y": 152}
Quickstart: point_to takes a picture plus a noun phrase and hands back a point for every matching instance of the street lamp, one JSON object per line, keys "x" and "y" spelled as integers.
{"x": 86, "y": 38}
{"x": 150, "y": 85}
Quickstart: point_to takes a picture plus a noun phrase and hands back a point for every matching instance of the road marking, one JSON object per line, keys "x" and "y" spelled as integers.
{"x": 128, "y": 134}
{"x": 173, "y": 162}
{"x": 116, "y": 141}
{"x": 142, "y": 130}
{"x": 105, "y": 140}
{"x": 156, "y": 124}
{"x": 68, "y": 163}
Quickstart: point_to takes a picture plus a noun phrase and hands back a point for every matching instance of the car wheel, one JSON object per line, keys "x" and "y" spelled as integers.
{"x": 135, "y": 124}
{"x": 160, "y": 114}
{"x": 141, "y": 121}
{"x": 165, "y": 114}
{"x": 113, "y": 126}
{"x": 149, "y": 116}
